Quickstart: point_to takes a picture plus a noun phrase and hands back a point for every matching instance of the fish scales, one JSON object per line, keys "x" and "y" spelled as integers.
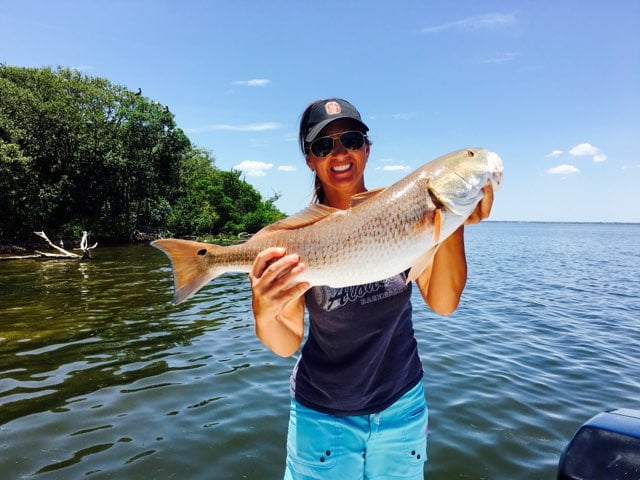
{"x": 354, "y": 246}
{"x": 384, "y": 233}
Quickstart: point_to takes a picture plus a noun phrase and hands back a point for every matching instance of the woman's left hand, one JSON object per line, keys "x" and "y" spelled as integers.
{"x": 483, "y": 209}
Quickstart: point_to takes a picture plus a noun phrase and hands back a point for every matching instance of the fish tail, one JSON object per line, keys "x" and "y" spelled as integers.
{"x": 190, "y": 272}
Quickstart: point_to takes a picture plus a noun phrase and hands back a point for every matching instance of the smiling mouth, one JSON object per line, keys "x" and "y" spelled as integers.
{"x": 341, "y": 168}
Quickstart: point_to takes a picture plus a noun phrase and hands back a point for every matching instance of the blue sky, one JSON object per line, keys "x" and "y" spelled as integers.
{"x": 552, "y": 86}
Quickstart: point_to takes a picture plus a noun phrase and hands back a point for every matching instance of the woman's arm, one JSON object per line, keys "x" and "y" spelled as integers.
{"x": 442, "y": 282}
{"x": 278, "y": 301}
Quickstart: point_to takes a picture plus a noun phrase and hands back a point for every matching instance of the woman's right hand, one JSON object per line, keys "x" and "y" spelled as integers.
{"x": 273, "y": 280}
{"x": 278, "y": 304}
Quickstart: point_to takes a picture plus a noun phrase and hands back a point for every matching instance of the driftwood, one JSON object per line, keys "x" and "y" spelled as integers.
{"x": 64, "y": 254}
{"x": 19, "y": 257}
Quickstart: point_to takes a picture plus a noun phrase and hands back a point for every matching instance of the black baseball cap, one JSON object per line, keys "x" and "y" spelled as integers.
{"x": 322, "y": 112}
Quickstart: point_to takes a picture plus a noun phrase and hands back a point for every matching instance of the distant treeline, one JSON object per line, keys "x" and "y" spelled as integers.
{"x": 80, "y": 153}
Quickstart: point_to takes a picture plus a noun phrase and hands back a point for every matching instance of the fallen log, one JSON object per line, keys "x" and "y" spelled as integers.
{"x": 19, "y": 257}
{"x": 64, "y": 254}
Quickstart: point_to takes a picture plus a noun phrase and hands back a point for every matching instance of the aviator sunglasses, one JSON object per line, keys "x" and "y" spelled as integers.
{"x": 323, "y": 146}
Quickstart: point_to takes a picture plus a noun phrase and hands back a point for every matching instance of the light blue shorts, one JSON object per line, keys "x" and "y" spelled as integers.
{"x": 385, "y": 445}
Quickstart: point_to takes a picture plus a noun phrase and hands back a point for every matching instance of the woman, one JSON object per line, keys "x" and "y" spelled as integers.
{"x": 358, "y": 408}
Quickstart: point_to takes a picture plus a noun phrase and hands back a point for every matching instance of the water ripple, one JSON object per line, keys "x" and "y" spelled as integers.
{"x": 101, "y": 377}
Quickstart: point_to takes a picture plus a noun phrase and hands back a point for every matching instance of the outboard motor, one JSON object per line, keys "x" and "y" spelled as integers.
{"x": 605, "y": 447}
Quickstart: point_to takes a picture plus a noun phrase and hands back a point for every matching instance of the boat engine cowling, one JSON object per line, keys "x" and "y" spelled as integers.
{"x": 605, "y": 447}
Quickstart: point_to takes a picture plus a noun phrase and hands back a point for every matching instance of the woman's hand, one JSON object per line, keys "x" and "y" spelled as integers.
{"x": 442, "y": 282}
{"x": 273, "y": 280}
{"x": 278, "y": 302}
{"x": 483, "y": 209}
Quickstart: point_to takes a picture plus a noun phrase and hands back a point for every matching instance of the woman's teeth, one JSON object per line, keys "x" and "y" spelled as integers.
{"x": 341, "y": 168}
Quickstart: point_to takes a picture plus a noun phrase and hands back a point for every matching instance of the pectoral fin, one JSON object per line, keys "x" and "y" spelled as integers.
{"x": 427, "y": 257}
{"x": 422, "y": 263}
{"x": 437, "y": 225}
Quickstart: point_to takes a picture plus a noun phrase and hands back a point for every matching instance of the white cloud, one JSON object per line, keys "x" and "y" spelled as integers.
{"x": 563, "y": 170}
{"x": 554, "y": 154}
{"x": 256, "y": 82}
{"x": 479, "y": 22}
{"x": 584, "y": 150}
{"x": 287, "y": 168}
{"x": 252, "y": 127}
{"x": 499, "y": 57}
{"x": 401, "y": 116}
{"x": 588, "y": 150}
{"x": 394, "y": 168}
{"x": 631, "y": 167}
{"x": 254, "y": 168}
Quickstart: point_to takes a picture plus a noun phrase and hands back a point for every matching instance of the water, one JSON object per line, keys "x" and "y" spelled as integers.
{"x": 102, "y": 378}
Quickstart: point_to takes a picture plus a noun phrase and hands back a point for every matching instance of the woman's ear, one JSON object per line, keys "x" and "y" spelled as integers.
{"x": 309, "y": 163}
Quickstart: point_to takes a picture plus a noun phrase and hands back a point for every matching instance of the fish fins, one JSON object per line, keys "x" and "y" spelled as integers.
{"x": 364, "y": 196}
{"x": 190, "y": 273}
{"x": 422, "y": 263}
{"x": 427, "y": 257}
{"x": 308, "y": 216}
{"x": 437, "y": 225}
{"x": 314, "y": 214}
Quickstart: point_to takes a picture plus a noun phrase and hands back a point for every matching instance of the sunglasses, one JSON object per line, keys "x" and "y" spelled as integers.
{"x": 323, "y": 146}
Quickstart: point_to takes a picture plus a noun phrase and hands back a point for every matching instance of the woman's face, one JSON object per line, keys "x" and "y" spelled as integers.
{"x": 342, "y": 171}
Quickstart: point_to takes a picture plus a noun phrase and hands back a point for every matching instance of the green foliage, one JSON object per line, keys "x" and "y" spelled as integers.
{"x": 79, "y": 153}
{"x": 213, "y": 201}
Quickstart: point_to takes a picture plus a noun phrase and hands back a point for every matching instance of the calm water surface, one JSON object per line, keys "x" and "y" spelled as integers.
{"x": 101, "y": 377}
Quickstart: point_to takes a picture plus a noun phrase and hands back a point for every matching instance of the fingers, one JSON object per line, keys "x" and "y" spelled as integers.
{"x": 272, "y": 263}
{"x": 263, "y": 259}
{"x": 273, "y": 275}
{"x": 296, "y": 291}
{"x": 483, "y": 209}
{"x": 487, "y": 201}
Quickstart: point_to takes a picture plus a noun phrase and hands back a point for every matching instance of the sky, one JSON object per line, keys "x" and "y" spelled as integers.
{"x": 553, "y": 87}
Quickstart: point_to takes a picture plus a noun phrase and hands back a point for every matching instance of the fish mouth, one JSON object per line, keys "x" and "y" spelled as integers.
{"x": 495, "y": 167}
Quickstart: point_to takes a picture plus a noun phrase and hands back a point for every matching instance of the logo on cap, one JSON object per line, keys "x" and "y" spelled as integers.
{"x": 332, "y": 108}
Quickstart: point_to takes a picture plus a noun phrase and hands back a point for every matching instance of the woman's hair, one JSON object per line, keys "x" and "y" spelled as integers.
{"x": 302, "y": 129}
{"x": 318, "y": 190}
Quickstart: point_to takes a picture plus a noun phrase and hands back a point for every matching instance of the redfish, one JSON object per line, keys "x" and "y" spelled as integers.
{"x": 384, "y": 232}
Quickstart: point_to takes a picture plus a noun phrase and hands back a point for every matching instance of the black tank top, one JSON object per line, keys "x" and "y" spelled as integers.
{"x": 361, "y": 354}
